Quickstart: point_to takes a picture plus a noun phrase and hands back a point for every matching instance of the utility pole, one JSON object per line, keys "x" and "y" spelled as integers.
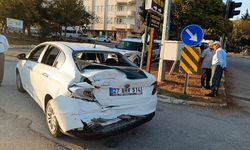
{"x": 230, "y": 13}
{"x": 165, "y": 36}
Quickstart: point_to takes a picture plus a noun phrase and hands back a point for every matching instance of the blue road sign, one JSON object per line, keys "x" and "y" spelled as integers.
{"x": 192, "y": 35}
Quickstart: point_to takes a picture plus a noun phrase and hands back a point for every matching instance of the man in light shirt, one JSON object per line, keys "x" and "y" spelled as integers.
{"x": 4, "y": 45}
{"x": 219, "y": 63}
{"x": 206, "y": 58}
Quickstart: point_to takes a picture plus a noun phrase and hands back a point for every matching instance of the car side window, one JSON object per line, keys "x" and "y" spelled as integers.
{"x": 35, "y": 54}
{"x": 60, "y": 60}
{"x": 50, "y": 55}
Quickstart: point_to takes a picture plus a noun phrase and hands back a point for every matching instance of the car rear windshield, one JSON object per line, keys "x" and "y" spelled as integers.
{"x": 100, "y": 59}
{"x": 129, "y": 45}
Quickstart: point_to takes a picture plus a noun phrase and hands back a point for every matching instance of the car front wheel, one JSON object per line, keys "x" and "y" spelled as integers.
{"x": 52, "y": 122}
{"x": 19, "y": 82}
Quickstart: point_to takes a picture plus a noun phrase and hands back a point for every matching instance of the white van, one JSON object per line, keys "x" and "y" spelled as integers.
{"x": 71, "y": 33}
{"x": 132, "y": 47}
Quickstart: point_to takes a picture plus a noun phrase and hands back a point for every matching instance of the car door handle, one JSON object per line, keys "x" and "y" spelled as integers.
{"x": 45, "y": 74}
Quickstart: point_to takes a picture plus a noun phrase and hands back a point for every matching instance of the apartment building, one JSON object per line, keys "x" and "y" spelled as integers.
{"x": 115, "y": 18}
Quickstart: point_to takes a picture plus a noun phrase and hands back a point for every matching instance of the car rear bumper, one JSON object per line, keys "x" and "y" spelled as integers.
{"x": 97, "y": 129}
{"x": 76, "y": 115}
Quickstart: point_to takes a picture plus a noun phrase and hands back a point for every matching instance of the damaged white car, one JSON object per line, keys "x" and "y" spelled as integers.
{"x": 86, "y": 90}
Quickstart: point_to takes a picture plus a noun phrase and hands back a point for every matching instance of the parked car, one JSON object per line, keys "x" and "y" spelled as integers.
{"x": 132, "y": 48}
{"x": 102, "y": 38}
{"x": 84, "y": 38}
{"x": 86, "y": 90}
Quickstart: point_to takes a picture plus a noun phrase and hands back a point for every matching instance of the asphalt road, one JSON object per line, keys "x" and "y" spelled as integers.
{"x": 239, "y": 70}
{"x": 175, "y": 127}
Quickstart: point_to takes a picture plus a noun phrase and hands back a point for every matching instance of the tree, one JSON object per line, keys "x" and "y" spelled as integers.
{"x": 19, "y": 9}
{"x": 240, "y": 35}
{"x": 209, "y": 14}
{"x": 245, "y": 16}
{"x": 70, "y": 13}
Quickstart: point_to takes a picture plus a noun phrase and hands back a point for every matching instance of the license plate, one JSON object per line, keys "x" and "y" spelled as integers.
{"x": 125, "y": 91}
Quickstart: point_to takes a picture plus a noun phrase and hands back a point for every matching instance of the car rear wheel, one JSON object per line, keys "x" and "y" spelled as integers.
{"x": 52, "y": 122}
{"x": 19, "y": 82}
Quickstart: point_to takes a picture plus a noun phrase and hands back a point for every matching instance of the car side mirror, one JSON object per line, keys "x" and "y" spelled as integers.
{"x": 22, "y": 56}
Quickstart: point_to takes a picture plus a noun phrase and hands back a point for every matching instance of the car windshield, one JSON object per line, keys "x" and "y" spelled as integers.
{"x": 101, "y": 60}
{"x": 129, "y": 45}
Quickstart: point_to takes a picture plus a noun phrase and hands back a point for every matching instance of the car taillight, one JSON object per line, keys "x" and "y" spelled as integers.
{"x": 154, "y": 88}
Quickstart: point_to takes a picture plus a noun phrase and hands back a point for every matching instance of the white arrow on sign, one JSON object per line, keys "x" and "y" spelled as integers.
{"x": 193, "y": 36}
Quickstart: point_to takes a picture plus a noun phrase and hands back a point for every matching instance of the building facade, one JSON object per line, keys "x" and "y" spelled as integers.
{"x": 115, "y": 18}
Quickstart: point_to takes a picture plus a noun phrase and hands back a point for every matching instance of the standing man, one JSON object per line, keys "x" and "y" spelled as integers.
{"x": 4, "y": 45}
{"x": 219, "y": 63}
{"x": 206, "y": 59}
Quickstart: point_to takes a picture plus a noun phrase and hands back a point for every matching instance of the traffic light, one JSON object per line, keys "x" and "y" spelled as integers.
{"x": 232, "y": 12}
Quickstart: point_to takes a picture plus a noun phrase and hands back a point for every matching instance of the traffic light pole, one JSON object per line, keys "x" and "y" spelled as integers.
{"x": 230, "y": 13}
{"x": 222, "y": 38}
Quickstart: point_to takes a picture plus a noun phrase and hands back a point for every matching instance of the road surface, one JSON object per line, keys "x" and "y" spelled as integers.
{"x": 239, "y": 76}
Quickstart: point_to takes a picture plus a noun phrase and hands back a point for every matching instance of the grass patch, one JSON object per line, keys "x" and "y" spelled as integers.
{"x": 174, "y": 87}
{"x": 23, "y": 40}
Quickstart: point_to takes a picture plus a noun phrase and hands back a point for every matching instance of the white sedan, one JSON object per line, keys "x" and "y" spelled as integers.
{"x": 86, "y": 90}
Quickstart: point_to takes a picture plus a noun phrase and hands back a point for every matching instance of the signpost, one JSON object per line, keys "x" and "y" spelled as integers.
{"x": 155, "y": 10}
{"x": 14, "y": 24}
{"x": 156, "y": 6}
{"x": 191, "y": 35}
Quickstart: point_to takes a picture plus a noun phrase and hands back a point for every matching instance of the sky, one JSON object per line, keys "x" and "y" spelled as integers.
{"x": 245, "y": 5}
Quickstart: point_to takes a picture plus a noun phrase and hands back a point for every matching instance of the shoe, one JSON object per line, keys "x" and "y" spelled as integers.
{"x": 211, "y": 95}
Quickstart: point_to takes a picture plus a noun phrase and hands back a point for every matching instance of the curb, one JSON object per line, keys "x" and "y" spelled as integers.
{"x": 172, "y": 100}
{"x": 22, "y": 46}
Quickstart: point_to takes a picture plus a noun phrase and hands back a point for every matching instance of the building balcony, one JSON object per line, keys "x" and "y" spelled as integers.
{"x": 125, "y": 13}
{"x": 124, "y": 26}
{"x": 125, "y": 1}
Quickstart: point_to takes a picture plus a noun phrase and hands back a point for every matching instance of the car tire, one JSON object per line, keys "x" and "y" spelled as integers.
{"x": 51, "y": 121}
{"x": 19, "y": 82}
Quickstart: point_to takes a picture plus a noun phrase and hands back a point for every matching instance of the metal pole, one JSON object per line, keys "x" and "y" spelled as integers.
{"x": 222, "y": 38}
{"x": 173, "y": 67}
{"x": 186, "y": 83}
{"x": 151, "y": 43}
{"x": 145, "y": 41}
{"x": 165, "y": 36}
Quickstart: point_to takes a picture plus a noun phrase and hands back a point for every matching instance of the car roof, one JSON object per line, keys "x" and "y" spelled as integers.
{"x": 83, "y": 46}
{"x": 138, "y": 40}
{"x": 132, "y": 40}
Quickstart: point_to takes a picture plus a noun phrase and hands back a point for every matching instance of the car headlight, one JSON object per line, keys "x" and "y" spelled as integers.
{"x": 82, "y": 91}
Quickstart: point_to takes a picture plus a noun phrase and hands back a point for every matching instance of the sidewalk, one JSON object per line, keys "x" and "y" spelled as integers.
{"x": 12, "y": 52}
{"x": 238, "y": 55}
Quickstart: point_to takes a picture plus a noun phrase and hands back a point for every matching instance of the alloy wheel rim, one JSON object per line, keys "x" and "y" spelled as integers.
{"x": 51, "y": 119}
